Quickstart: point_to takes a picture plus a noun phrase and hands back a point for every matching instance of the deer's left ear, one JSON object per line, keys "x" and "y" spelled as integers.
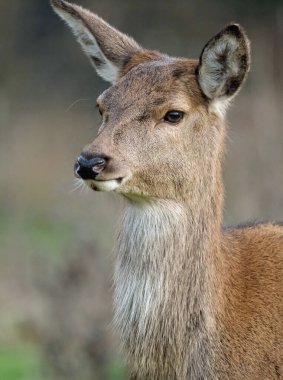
{"x": 224, "y": 63}
{"x": 107, "y": 48}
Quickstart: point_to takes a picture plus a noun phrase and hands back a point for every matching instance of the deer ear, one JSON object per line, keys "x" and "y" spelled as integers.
{"x": 106, "y": 47}
{"x": 224, "y": 63}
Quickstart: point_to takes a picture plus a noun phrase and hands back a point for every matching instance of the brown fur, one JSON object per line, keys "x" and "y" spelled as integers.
{"x": 192, "y": 300}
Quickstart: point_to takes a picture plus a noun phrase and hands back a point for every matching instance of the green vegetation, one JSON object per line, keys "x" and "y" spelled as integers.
{"x": 34, "y": 234}
{"x": 116, "y": 371}
{"x": 20, "y": 363}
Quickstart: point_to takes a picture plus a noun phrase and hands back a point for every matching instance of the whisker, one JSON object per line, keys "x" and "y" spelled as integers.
{"x": 74, "y": 103}
{"x": 77, "y": 184}
{"x": 80, "y": 185}
{"x": 84, "y": 188}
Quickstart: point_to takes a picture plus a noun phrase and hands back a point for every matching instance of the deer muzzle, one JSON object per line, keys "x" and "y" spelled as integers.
{"x": 89, "y": 167}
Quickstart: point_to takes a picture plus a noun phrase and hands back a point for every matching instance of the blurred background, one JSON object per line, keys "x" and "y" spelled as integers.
{"x": 56, "y": 243}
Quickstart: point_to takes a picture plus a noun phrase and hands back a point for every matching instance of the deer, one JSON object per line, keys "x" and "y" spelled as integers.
{"x": 193, "y": 299}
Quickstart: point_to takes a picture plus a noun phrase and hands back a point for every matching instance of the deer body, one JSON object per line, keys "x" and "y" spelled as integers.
{"x": 192, "y": 300}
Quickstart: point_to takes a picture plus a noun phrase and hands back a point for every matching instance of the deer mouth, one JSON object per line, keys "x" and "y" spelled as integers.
{"x": 105, "y": 185}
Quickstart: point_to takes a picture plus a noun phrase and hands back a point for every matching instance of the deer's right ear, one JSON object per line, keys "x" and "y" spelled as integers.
{"x": 107, "y": 48}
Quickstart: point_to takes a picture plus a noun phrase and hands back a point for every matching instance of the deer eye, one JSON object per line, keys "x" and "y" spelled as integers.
{"x": 173, "y": 117}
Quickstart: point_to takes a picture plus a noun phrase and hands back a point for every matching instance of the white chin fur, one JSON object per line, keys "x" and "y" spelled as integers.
{"x": 110, "y": 185}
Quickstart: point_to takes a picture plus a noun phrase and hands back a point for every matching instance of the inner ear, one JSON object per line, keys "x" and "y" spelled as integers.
{"x": 224, "y": 63}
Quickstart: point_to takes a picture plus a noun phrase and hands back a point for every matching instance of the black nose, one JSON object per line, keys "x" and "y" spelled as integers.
{"x": 88, "y": 167}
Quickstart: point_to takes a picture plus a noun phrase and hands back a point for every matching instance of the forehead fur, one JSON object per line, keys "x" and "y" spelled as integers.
{"x": 154, "y": 78}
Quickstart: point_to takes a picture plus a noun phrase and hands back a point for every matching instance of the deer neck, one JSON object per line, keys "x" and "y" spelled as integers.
{"x": 165, "y": 283}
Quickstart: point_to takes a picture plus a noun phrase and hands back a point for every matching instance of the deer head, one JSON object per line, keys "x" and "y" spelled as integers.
{"x": 162, "y": 126}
